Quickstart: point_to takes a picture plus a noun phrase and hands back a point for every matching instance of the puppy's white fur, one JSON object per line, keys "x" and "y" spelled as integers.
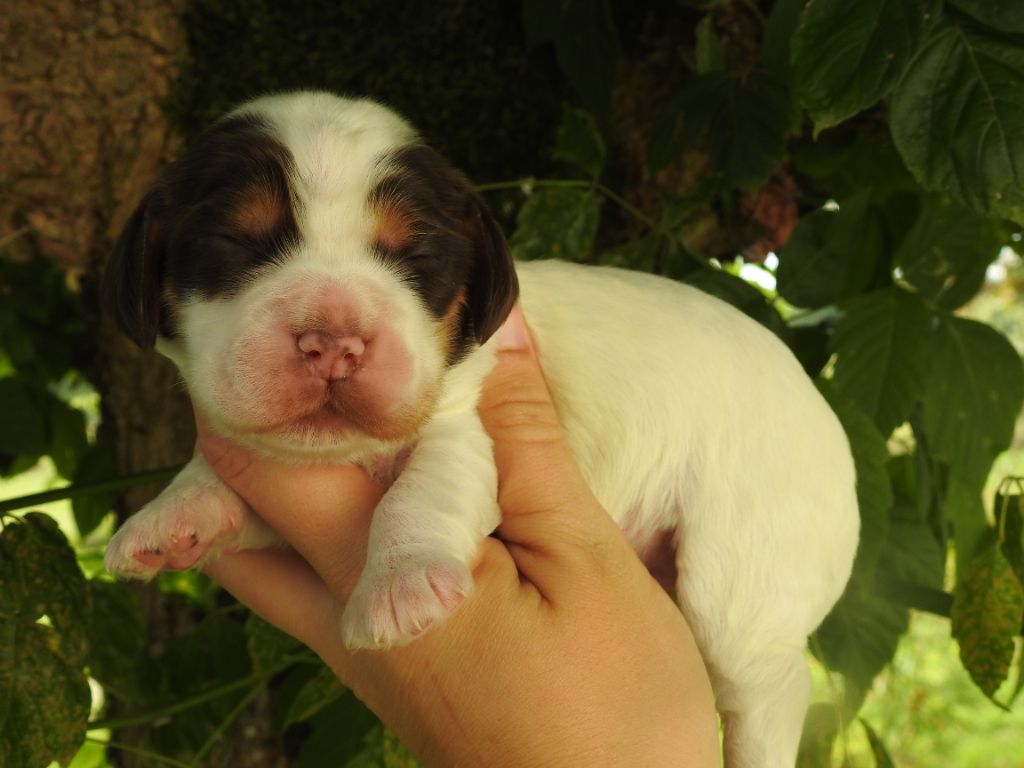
{"x": 684, "y": 415}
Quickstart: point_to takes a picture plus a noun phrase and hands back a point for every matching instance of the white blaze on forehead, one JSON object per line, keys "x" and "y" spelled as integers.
{"x": 340, "y": 148}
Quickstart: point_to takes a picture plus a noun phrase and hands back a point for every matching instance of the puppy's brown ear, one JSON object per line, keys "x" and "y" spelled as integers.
{"x": 131, "y": 287}
{"x": 493, "y": 287}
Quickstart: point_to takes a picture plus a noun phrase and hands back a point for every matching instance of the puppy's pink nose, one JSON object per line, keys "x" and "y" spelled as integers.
{"x": 331, "y": 356}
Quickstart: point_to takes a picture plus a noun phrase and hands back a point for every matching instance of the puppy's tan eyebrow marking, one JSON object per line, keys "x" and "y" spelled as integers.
{"x": 394, "y": 227}
{"x": 259, "y": 210}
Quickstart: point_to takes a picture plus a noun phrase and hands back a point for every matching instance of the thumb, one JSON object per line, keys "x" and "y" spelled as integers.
{"x": 547, "y": 508}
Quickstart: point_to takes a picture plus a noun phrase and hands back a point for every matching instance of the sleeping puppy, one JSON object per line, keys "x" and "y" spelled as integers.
{"x": 328, "y": 285}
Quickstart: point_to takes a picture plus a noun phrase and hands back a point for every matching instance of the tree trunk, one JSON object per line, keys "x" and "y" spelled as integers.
{"x": 83, "y": 136}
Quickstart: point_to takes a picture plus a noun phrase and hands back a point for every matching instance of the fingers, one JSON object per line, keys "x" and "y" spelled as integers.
{"x": 547, "y": 509}
{"x": 323, "y": 511}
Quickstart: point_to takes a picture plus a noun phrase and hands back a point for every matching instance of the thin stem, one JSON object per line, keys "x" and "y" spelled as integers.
{"x": 223, "y": 726}
{"x": 598, "y": 187}
{"x": 127, "y": 721}
{"x": 86, "y": 489}
{"x": 139, "y": 751}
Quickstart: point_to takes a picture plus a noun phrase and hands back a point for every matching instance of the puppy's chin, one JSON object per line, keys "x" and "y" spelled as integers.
{"x": 327, "y": 435}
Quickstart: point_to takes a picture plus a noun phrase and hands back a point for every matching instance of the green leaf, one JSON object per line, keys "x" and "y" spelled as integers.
{"x": 580, "y": 143}
{"x": 320, "y": 691}
{"x": 911, "y": 554}
{"x": 39, "y": 576}
{"x": 946, "y": 252}
{"x": 1009, "y": 511}
{"x": 117, "y": 638}
{"x": 709, "y": 51}
{"x": 269, "y": 647}
{"x": 848, "y": 162}
{"x": 778, "y": 33}
{"x": 557, "y": 223}
{"x": 640, "y": 254}
{"x": 821, "y": 726}
{"x": 878, "y": 750}
{"x": 44, "y": 694}
{"x": 958, "y": 118}
{"x": 383, "y": 750}
{"x": 971, "y": 408}
{"x": 988, "y": 607}
{"x": 68, "y": 441}
{"x": 883, "y": 346}
{"x": 336, "y": 734}
{"x": 743, "y": 124}
{"x": 874, "y": 490}
{"x": 45, "y": 697}
{"x": 859, "y": 637}
{"x": 832, "y": 253}
{"x": 22, "y": 424}
{"x": 89, "y": 510}
{"x": 1003, "y": 15}
{"x": 845, "y": 55}
{"x": 747, "y": 129}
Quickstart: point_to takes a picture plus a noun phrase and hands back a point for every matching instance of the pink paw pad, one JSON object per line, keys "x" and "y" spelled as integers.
{"x": 397, "y": 606}
{"x": 175, "y": 531}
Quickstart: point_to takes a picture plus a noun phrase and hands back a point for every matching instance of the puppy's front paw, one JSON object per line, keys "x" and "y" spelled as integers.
{"x": 391, "y": 608}
{"x": 177, "y": 530}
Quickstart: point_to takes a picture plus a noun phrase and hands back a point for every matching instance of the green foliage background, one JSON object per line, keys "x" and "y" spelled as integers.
{"x": 895, "y": 132}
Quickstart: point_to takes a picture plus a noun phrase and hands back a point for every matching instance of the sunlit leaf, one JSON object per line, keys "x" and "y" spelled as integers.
{"x": 988, "y": 607}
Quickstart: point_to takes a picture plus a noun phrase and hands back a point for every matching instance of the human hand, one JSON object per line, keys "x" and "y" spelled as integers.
{"x": 567, "y": 652}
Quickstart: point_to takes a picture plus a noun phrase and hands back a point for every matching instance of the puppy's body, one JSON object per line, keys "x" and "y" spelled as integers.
{"x": 331, "y": 297}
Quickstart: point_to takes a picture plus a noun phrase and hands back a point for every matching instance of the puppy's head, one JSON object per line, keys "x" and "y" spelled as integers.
{"x": 313, "y": 270}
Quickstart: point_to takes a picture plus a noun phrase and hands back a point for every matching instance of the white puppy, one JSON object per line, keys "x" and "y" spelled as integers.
{"x": 327, "y": 286}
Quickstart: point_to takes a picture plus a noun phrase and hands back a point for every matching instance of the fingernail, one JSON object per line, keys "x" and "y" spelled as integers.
{"x": 513, "y": 334}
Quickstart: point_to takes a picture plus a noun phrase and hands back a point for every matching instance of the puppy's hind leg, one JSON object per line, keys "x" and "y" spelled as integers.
{"x": 763, "y": 721}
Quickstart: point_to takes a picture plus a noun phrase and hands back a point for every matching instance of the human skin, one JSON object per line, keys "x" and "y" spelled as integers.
{"x": 567, "y": 652}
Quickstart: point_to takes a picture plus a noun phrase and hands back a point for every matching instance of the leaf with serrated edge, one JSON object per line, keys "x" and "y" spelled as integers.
{"x": 988, "y": 607}
{"x": 957, "y": 118}
{"x": 846, "y": 55}
{"x": 970, "y": 408}
{"x": 556, "y": 223}
{"x": 883, "y": 347}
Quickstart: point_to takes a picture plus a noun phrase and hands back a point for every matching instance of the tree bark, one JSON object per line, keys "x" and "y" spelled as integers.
{"x": 83, "y": 135}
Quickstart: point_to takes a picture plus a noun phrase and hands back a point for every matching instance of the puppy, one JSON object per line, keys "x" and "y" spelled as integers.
{"x": 328, "y": 285}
